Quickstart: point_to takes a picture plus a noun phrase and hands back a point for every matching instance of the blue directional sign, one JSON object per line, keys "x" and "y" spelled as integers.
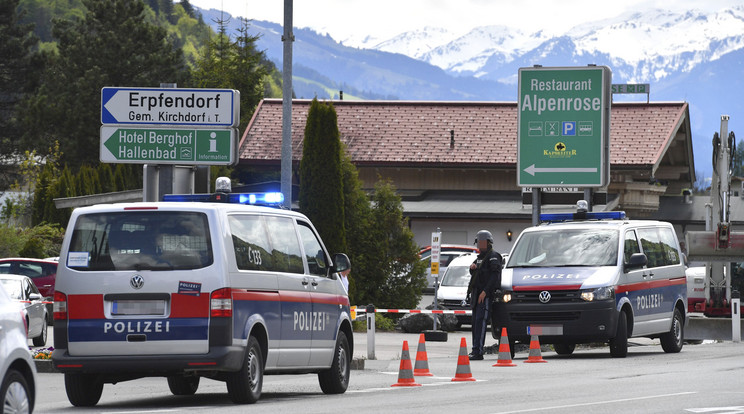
{"x": 166, "y": 106}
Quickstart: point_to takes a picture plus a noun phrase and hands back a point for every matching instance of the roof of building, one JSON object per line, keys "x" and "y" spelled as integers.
{"x": 441, "y": 134}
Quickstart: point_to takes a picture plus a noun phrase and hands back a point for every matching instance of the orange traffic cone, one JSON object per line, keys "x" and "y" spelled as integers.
{"x": 405, "y": 374}
{"x": 535, "y": 354}
{"x": 463, "y": 364}
{"x": 421, "y": 368}
{"x": 504, "y": 351}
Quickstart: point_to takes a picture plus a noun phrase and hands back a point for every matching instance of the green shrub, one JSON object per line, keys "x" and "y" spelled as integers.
{"x": 382, "y": 324}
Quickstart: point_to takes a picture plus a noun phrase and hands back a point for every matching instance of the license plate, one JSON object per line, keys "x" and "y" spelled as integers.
{"x": 545, "y": 330}
{"x": 138, "y": 307}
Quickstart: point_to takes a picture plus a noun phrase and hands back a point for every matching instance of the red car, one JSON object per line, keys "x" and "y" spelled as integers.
{"x": 42, "y": 272}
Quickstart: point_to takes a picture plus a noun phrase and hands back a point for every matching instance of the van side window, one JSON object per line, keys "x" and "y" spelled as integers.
{"x": 671, "y": 254}
{"x": 316, "y": 259}
{"x": 250, "y": 242}
{"x": 658, "y": 244}
{"x": 285, "y": 246}
{"x": 631, "y": 245}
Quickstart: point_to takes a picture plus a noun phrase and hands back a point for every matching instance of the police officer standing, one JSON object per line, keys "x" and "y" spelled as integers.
{"x": 485, "y": 277}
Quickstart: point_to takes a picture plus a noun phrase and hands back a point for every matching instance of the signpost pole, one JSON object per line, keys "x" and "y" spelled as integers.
{"x": 536, "y": 207}
{"x": 286, "y": 164}
{"x": 588, "y": 198}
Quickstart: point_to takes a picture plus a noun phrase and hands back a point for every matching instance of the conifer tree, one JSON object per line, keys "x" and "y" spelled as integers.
{"x": 321, "y": 195}
{"x": 112, "y": 45}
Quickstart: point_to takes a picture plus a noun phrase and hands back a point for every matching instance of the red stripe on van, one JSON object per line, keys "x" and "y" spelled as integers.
{"x": 330, "y": 299}
{"x": 546, "y": 287}
{"x": 651, "y": 284}
{"x": 85, "y": 307}
{"x": 292, "y": 296}
{"x": 189, "y": 306}
{"x": 242, "y": 294}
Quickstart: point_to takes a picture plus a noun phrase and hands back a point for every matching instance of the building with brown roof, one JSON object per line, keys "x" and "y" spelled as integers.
{"x": 454, "y": 163}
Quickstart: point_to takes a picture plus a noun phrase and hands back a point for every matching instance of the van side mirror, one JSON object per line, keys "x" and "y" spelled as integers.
{"x": 637, "y": 261}
{"x": 340, "y": 262}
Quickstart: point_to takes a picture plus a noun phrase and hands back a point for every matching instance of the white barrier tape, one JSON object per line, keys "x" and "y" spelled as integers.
{"x": 436, "y": 311}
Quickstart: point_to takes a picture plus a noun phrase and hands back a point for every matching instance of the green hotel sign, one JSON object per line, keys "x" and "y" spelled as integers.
{"x": 159, "y": 145}
{"x": 564, "y": 126}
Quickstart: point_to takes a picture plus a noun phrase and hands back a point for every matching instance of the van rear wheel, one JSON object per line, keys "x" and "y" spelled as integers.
{"x": 335, "y": 380}
{"x": 619, "y": 344}
{"x": 673, "y": 340}
{"x": 83, "y": 390}
{"x": 244, "y": 386}
{"x": 181, "y": 385}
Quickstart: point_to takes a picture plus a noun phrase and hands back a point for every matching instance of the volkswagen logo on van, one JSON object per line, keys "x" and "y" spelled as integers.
{"x": 137, "y": 282}
{"x": 544, "y": 296}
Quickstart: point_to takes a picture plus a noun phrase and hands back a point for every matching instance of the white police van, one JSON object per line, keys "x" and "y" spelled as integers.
{"x": 187, "y": 289}
{"x": 594, "y": 277}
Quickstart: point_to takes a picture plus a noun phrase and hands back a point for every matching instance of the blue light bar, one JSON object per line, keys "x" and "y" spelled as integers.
{"x": 600, "y": 215}
{"x": 256, "y": 199}
{"x": 186, "y": 197}
{"x": 264, "y": 199}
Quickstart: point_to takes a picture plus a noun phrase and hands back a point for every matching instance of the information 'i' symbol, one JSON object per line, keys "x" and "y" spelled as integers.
{"x": 213, "y": 142}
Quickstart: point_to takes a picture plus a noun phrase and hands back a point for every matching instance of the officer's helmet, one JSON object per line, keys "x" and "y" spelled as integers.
{"x": 484, "y": 235}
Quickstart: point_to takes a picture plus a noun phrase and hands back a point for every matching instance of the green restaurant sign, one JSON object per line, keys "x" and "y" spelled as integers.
{"x": 564, "y": 126}
{"x": 155, "y": 144}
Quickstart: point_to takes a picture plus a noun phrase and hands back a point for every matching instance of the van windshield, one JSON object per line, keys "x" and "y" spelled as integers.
{"x": 563, "y": 248}
{"x": 147, "y": 240}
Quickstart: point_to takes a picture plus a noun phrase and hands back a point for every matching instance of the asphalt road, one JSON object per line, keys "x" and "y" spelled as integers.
{"x": 702, "y": 378}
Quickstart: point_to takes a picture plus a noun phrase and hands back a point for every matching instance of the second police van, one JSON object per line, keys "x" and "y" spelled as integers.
{"x": 185, "y": 290}
{"x": 594, "y": 277}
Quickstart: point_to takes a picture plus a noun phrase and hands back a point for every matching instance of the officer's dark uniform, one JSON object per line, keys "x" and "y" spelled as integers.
{"x": 485, "y": 278}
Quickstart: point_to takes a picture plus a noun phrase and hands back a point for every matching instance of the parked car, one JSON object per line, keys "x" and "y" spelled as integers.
{"x": 447, "y": 253}
{"x": 462, "y": 248}
{"x": 21, "y": 289}
{"x": 17, "y": 369}
{"x": 42, "y": 272}
{"x": 453, "y": 289}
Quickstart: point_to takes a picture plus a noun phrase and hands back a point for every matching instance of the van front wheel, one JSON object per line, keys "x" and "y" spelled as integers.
{"x": 672, "y": 341}
{"x": 619, "y": 344}
{"x": 335, "y": 380}
{"x": 182, "y": 385}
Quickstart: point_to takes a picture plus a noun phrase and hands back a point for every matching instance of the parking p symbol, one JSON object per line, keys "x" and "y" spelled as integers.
{"x": 569, "y": 128}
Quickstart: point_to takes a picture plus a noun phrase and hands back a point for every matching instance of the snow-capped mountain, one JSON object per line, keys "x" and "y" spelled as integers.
{"x": 692, "y": 56}
{"x": 414, "y": 44}
{"x": 655, "y": 43}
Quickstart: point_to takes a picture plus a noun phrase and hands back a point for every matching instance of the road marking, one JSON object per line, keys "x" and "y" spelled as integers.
{"x": 718, "y": 410}
{"x": 558, "y": 407}
{"x": 433, "y": 384}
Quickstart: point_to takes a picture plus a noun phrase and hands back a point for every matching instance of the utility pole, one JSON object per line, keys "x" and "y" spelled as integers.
{"x": 287, "y": 39}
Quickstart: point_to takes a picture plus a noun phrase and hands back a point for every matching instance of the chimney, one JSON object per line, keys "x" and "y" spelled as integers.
{"x": 452, "y": 138}
{"x": 340, "y": 95}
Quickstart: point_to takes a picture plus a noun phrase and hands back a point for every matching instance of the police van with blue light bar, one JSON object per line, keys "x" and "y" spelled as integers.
{"x": 593, "y": 277}
{"x": 207, "y": 285}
